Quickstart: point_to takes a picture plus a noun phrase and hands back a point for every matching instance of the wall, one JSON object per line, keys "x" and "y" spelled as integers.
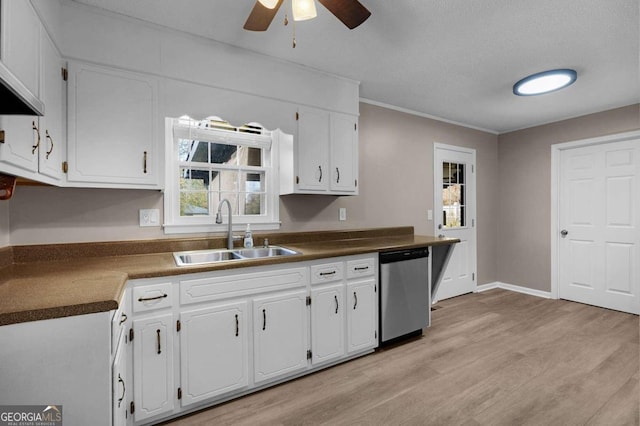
{"x": 4, "y": 224}
{"x": 524, "y": 213}
{"x": 396, "y": 189}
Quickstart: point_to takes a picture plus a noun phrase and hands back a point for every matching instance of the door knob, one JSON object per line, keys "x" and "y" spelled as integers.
{"x": 564, "y": 232}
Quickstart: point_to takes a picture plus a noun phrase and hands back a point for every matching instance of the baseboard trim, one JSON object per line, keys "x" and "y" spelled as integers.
{"x": 516, "y": 288}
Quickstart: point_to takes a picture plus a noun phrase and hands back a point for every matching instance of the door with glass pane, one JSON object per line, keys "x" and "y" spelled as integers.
{"x": 455, "y": 216}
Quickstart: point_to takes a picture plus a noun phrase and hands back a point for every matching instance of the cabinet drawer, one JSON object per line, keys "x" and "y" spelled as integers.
{"x": 361, "y": 268}
{"x": 119, "y": 322}
{"x": 327, "y": 272}
{"x": 229, "y": 285}
{"x": 151, "y": 297}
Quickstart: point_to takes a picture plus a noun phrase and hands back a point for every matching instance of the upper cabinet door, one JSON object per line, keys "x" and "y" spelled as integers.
{"x": 344, "y": 153}
{"x": 21, "y": 42}
{"x": 313, "y": 150}
{"x": 113, "y": 128}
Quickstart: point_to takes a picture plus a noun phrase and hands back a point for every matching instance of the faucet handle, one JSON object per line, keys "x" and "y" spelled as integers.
{"x": 266, "y": 242}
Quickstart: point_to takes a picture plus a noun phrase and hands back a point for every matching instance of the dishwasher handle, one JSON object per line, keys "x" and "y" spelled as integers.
{"x": 400, "y": 255}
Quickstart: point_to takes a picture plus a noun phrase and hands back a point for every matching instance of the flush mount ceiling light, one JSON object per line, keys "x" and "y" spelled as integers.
{"x": 545, "y": 82}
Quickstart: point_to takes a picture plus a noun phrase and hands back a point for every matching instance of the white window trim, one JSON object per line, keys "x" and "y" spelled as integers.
{"x": 176, "y": 224}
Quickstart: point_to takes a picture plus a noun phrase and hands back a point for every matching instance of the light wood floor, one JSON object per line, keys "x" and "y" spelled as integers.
{"x": 493, "y": 358}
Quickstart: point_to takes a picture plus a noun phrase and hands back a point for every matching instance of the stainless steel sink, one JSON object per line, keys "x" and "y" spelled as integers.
{"x": 201, "y": 257}
{"x": 259, "y": 252}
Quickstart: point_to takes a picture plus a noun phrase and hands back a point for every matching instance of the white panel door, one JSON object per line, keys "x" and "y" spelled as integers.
{"x": 313, "y": 149}
{"x": 344, "y": 153}
{"x": 327, "y": 323}
{"x": 599, "y": 216}
{"x": 455, "y": 215}
{"x": 362, "y": 321}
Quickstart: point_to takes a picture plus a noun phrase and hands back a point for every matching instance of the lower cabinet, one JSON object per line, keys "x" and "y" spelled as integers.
{"x": 280, "y": 335}
{"x": 214, "y": 351}
{"x": 119, "y": 386}
{"x": 153, "y": 388}
{"x": 200, "y": 339}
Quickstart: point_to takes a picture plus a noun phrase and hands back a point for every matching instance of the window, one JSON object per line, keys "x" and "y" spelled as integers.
{"x": 453, "y": 195}
{"x": 209, "y": 161}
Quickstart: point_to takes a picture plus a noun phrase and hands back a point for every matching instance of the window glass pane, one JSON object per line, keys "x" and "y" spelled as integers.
{"x": 253, "y": 203}
{"x": 248, "y": 156}
{"x": 223, "y": 154}
{"x": 453, "y": 195}
{"x": 253, "y": 182}
{"x": 194, "y": 151}
{"x": 226, "y": 181}
{"x": 232, "y": 197}
{"x": 194, "y": 185}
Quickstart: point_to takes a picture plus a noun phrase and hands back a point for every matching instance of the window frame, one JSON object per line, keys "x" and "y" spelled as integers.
{"x": 177, "y": 129}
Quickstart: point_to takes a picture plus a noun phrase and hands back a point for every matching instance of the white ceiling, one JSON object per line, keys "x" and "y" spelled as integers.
{"x": 456, "y": 59}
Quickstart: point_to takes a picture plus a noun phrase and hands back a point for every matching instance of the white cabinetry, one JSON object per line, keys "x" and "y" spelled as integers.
{"x": 327, "y": 319}
{"x": 324, "y": 155}
{"x": 34, "y": 146}
{"x": 213, "y": 351}
{"x": 280, "y": 334}
{"x": 119, "y": 394}
{"x": 362, "y": 304}
{"x": 113, "y": 128}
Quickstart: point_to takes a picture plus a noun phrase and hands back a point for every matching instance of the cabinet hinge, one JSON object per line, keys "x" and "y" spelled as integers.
{"x": 65, "y": 167}
{"x": 375, "y": 335}
{"x": 473, "y": 276}
{"x": 297, "y": 116}
{"x": 178, "y": 325}
{"x": 355, "y": 126}
{"x": 375, "y": 288}
{"x": 473, "y": 223}
{"x": 297, "y": 180}
{"x": 308, "y": 300}
{"x": 65, "y": 74}
{"x": 131, "y": 338}
{"x": 309, "y": 354}
{"x": 356, "y": 183}
{"x": 132, "y": 407}
{"x": 1, "y": 136}
{"x": 179, "y": 393}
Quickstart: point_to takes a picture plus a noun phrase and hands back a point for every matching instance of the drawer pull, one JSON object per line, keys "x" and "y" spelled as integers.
{"x": 336, "y": 299}
{"x": 264, "y": 319}
{"x": 361, "y": 268}
{"x": 123, "y": 318}
{"x": 159, "y": 347}
{"x": 324, "y": 274}
{"x": 146, "y": 299}
{"x": 355, "y": 298}
{"x": 237, "y": 326}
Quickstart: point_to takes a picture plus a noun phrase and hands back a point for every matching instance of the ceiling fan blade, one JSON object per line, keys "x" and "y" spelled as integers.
{"x": 351, "y": 12}
{"x": 260, "y": 17}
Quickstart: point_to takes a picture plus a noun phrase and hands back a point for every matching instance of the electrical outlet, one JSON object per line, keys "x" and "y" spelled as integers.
{"x": 343, "y": 213}
{"x": 149, "y": 217}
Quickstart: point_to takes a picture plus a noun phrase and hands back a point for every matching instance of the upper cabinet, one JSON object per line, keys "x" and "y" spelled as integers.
{"x": 33, "y": 146}
{"x": 323, "y": 159}
{"x": 113, "y": 128}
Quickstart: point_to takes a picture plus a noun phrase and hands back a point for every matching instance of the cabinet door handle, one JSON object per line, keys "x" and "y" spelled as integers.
{"x": 159, "y": 347}
{"x": 124, "y": 389}
{"x": 336, "y": 299}
{"x": 320, "y": 178}
{"x": 264, "y": 319}
{"x": 146, "y": 299}
{"x": 324, "y": 274}
{"x": 50, "y": 140}
{"x": 237, "y": 326}
{"x": 355, "y": 300}
{"x": 34, "y": 127}
{"x": 144, "y": 169}
{"x": 123, "y": 318}
{"x": 338, "y": 172}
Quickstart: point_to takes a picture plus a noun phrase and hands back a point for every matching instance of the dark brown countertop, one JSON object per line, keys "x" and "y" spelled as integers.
{"x": 38, "y": 290}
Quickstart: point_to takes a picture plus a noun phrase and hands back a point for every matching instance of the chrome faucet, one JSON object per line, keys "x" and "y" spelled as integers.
{"x": 230, "y": 227}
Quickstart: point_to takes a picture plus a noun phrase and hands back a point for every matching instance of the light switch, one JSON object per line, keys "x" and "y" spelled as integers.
{"x": 149, "y": 217}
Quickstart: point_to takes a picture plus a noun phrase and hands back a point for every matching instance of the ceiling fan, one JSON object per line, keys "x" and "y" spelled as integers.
{"x": 351, "y": 12}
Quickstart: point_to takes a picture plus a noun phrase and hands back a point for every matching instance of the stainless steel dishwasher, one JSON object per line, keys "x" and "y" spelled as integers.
{"x": 405, "y": 299}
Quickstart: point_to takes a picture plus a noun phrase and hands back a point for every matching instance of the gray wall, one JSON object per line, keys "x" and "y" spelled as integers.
{"x": 524, "y": 209}
{"x": 396, "y": 189}
{"x": 4, "y": 224}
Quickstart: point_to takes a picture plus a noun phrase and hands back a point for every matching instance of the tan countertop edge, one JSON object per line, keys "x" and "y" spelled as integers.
{"x": 35, "y": 291}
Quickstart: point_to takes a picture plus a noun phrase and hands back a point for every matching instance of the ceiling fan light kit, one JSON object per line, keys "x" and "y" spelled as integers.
{"x": 545, "y": 82}
{"x": 303, "y": 9}
{"x": 269, "y": 4}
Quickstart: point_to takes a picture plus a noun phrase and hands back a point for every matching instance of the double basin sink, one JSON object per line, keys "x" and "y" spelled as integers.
{"x": 202, "y": 257}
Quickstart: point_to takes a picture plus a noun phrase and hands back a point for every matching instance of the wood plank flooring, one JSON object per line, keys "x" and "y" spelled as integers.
{"x": 492, "y": 358}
